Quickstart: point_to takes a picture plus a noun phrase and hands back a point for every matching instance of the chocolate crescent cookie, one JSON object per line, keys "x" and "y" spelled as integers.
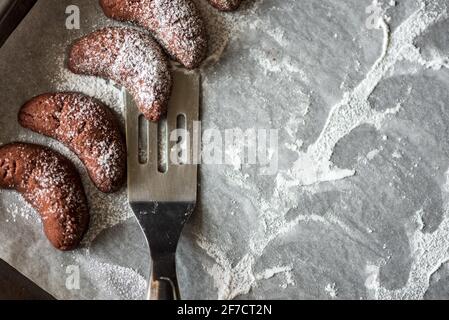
{"x": 51, "y": 184}
{"x": 226, "y": 5}
{"x": 87, "y": 127}
{"x": 132, "y": 59}
{"x": 177, "y": 24}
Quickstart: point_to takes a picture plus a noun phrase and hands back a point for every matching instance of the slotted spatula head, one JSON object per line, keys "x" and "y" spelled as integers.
{"x": 163, "y": 196}
{"x": 179, "y": 182}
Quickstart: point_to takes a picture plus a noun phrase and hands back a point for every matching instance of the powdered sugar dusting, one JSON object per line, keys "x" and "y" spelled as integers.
{"x": 102, "y": 89}
{"x": 113, "y": 281}
{"x": 24, "y": 211}
{"x": 331, "y": 290}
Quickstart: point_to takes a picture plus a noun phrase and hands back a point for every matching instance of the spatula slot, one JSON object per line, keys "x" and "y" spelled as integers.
{"x": 143, "y": 140}
{"x": 162, "y": 139}
{"x": 181, "y": 140}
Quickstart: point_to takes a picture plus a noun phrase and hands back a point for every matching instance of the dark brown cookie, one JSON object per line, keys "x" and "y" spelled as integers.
{"x": 51, "y": 184}
{"x": 177, "y": 24}
{"x": 226, "y": 5}
{"x": 132, "y": 59}
{"x": 87, "y": 127}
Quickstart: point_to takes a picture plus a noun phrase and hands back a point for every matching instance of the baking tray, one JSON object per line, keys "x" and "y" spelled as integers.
{"x": 11, "y": 14}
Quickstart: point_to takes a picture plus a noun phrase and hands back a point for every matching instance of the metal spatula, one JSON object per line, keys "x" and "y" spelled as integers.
{"x": 163, "y": 196}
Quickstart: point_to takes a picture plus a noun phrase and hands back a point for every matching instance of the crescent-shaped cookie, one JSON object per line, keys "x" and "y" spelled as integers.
{"x": 226, "y": 5}
{"x": 177, "y": 24}
{"x": 51, "y": 184}
{"x": 87, "y": 127}
{"x": 132, "y": 59}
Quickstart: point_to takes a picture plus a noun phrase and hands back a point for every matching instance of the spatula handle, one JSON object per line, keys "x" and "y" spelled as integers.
{"x": 164, "y": 289}
{"x": 164, "y": 282}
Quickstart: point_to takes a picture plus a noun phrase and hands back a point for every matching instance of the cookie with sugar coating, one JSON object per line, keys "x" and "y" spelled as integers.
{"x": 50, "y": 183}
{"x": 176, "y": 24}
{"x": 87, "y": 127}
{"x": 132, "y": 59}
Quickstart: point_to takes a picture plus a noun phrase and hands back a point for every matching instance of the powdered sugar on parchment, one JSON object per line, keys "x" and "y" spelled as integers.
{"x": 331, "y": 290}
{"x": 24, "y": 211}
{"x": 111, "y": 280}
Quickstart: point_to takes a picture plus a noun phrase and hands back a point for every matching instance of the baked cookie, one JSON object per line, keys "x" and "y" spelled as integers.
{"x": 87, "y": 127}
{"x": 132, "y": 59}
{"x": 51, "y": 184}
{"x": 226, "y": 5}
{"x": 177, "y": 24}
